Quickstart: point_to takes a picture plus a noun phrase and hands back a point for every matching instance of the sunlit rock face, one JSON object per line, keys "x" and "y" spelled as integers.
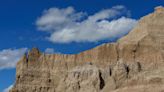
{"x": 135, "y": 63}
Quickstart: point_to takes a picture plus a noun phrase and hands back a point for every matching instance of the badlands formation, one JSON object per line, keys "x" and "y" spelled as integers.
{"x": 135, "y": 63}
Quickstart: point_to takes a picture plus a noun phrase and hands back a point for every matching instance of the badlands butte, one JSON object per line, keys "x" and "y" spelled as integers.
{"x": 135, "y": 63}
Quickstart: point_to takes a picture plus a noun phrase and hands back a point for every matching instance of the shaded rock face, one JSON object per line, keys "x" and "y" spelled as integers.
{"x": 132, "y": 64}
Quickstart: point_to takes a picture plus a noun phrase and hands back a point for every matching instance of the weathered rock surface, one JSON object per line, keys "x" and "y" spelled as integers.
{"x": 85, "y": 78}
{"x": 133, "y": 64}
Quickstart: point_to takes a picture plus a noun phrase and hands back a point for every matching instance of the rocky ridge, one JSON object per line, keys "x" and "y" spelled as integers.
{"x": 134, "y": 63}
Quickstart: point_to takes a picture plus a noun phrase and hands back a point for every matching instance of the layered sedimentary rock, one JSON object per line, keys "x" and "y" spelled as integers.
{"x": 134, "y": 63}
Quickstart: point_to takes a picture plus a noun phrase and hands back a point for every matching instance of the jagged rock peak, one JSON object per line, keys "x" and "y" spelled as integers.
{"x": 34, "y": 54}
{"x": 34, "y": 51}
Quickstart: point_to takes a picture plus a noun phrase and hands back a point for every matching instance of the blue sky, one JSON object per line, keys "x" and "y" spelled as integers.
{"x": 23, "y": 25}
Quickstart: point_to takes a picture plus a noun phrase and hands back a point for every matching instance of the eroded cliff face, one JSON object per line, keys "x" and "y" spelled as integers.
{"x": 133, "y": 63}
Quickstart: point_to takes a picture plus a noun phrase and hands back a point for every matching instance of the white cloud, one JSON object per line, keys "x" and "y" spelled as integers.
{"x": 7, "y": 89}
{"x": 9, "y": 57}
{"x": 49, "y": 51}
{"x": 56, "y": 19}
{"x": 67, "y": 25}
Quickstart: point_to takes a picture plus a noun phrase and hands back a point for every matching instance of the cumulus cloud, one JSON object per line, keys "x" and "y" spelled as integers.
{"x": 9, "y": 57}
{"x": 66, "y": 25}
{"x": 7, "y": 89}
